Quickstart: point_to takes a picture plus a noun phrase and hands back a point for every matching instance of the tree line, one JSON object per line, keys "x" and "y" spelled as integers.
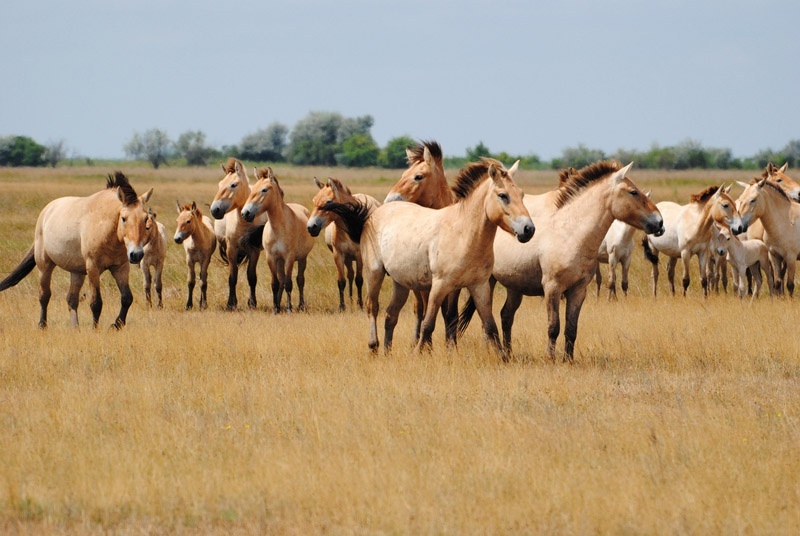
{"x": 331, "y": 139}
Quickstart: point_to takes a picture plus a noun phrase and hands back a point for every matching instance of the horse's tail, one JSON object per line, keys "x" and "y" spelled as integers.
{"x": 223, "y": 251}
{"x": 465, "y": 316}
{"x": 354, "y": 215}
{"x": 648, "y": 253}
{"x": 25, "y": 267}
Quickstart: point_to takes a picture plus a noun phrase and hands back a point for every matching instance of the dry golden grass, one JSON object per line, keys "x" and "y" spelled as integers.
{"x": 679, "y": 415}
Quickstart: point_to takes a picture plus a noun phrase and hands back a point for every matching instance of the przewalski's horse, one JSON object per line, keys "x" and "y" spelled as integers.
{"x": 689, "y": 233}
{"x": 239, "y": 240}
{"x": 425, "y": 183}
{"x": 780, "y": 216}
{"x": 743, "y": 255}
{"x": 155, "y": 253}
{"x": 561, "y": 259}
{"x": 285, "y": 238}
{"x": 345, "y": 251}
{"x": 438, "y": 251}
{"x": 196, "y": 232}
{"x": 87, "y": 236}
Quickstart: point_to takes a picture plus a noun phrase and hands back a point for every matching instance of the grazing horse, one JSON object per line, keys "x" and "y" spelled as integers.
{"x": 689, "y": 233}
{"x": 196, "y": 232}
{"x": 561, "y": 259}
{"x": 438, "y": 251}
{"x": 87, "y": 236}
{"x": 239, "y": 240}
{"x": 742, "y": 255}
{"x": 345, "y": 251}
{"x": 285, "y": 238}
{"x": 780, "y": 216}
{"x": 155, "y": 253}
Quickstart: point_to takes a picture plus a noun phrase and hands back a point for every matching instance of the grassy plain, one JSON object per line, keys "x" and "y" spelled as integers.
{"x": 680, "y": 415}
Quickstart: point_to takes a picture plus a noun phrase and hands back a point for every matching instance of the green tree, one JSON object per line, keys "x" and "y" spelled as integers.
{"x": 690, "y": 154}
{"x": 265, "y": 145}
{"x": 476, "y": 153}
{"x": 191, "y": 145}
{"x": 54, "y": 153}
{"x": 580, "y": 156}
{"x": 153, "y": 146}
{"x": 394, "y": 155}
{"x": 316, "y": 139}
{"x": 21, "y": 151}
{"x": 359, "y": 150}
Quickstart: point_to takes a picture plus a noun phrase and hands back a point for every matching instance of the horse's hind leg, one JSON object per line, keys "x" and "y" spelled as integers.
{"x": 204, "y": 281}
{"x": 359, "y": 282}
{"x": 612, "y": 276}
{"x": 374, "y": 280}
{"x": 552, "y": 299}
{"x": 287, "y": 283}
{"x": 148, "y": 283}
{"x": 159, "y": 272}
{"x": 351, "y": 275}
{"x": 45, "y": 276}
{"x": 301, "y": 284}
{"x": 598, "y": 278}
{"x": 73, "y": 296}
{"x": 626, "y": 266}
{"x": 340, "y": 280}
{"x": 507, "y": 313}
{"x": 399, "y": 297}
{"x": 252, "y": 277}
{"x": 482, "y": 297}
{"x": 671, "y": 273}
{"x": 450, "y": 317}
{"x": 95, "y": 299}
{"x": 277, "y": 286}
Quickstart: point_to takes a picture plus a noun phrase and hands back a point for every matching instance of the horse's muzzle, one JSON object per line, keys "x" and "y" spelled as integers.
{"x": 178, "y": 239}
{"x": 525, "y": 232}
{"x": 135, "y": 256}
{"x": 248, "y": 215}
{"x": 218, "y": 209}
{"x": 655, "y": 229}
{"x": 739, "y": 229}
{"x": 314, "y": 228}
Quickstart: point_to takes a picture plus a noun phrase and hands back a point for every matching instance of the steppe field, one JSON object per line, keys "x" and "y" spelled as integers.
{"x": 680, "y": 415}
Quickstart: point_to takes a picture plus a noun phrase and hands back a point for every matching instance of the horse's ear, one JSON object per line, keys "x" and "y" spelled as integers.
{"x": 178, "y": 204}
{"x": 427, "y": 156}
{"x": 146, "y": 196}
{"x": 224, "y": 170}
{"x": 762, "y": 182}
{"x": 770, "y": 168}
{"x": 318, "y": 183}
{"x": 409, "y": 155}
{"x": 619, "y": 175}
{"x": 255, "y": 172}
{"x": 742, "y": 184}
{"x": 241, "y": 171}
{"x": 513, "y": 169}
{"x": 649, "y": 194}
{"x": 718, "y": 192}
{"x": 271, "y": 174}
{"x": 728, "y": 189}
{"x": 194, "y": 207}
{"x": 151, "y": 213}
{"x": 334, "y": 184}
{"x": 783, "y": 168}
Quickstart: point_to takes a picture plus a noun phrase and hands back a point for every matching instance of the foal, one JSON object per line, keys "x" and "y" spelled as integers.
{"x": 196, "y": 232}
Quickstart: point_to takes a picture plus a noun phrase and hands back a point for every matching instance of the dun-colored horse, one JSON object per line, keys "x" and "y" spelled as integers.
{"x": 780, "y": 216}
{"x": 689, "y": 233}
{"x": 238, "y": 239}
{"x": 155, "y": 254}
{"x": 561, "y": 259}
{"x": 87, "y": 236}
{"x": 438, "y": 251}
{"x": 742, "y": 255}
{"x": 345, "y": 251}
{"x": 196, "y": 232}
{"x": 286, "y": 239}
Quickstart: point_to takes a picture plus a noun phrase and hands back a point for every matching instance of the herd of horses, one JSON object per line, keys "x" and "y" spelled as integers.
{"x": 430, "y": 238}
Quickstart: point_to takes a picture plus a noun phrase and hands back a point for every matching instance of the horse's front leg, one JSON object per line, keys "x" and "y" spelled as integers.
{"x": 338, "y": 261}
{"x": 507, "y": 314}
{"x": 775, "y": 260}
{"x": 575, "y": 298}
{"x": 276, "y": 269}
{"x": 159, "y": 287}
{"x": 552, "y": 297}
{"x": 420, "y": 304}
{"x": 702, "y": 258}
{"x": 359, "y": 281}
{"x": 399, "y": 297}
{"x": 374, "y": 279}
{"x": 450, "y": 317}
{"x": 671, "y": 263}
{"x": 790, "y": 270}
{"x": 148, "y": 283}
{"x": 233, "y": 278}
{"x": 436, "y": 296}
{"x": 301, "y": 285}
{"x": 95, "y": 299}
{"x": 686, "y": 257}
{"x": 288, "y": 285}
{"x": 612, "y": 275}
{"x": 482, "y": 297}
{"x": 204, "y": 281}
{"x": 626, "y": 266}
{"x": 252, "y": 277}
{"x": 120, "y": 274}
{"x": 190, "y": 282}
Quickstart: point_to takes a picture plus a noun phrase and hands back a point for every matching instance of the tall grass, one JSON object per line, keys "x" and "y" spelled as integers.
{"x": 680, "y": 415}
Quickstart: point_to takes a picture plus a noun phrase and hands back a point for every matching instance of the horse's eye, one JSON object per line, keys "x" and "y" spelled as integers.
{"x": 503, "y": 197}
{"x": 124, "y": 219}
{"x": 725, "y": 205}
{"x": 778, "y": 180}
{"x": 234, "y": 185}
{"x": 418, "y": 177}
{"x": 264, "y": 191}
{"x": 634, "y": 193}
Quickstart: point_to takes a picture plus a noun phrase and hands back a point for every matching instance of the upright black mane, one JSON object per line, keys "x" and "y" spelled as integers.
{"x": 418, "y": 151}
{"x": 573, "y": 182}
{"x": 119, "y": 180}
{"x": 472, "y": 175}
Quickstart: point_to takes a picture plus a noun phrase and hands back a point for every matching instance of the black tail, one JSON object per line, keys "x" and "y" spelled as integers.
{"x": 253, "y": 239}
{"x": 648, "y": 253}
{"x": 354, "y": 216}
{"x": 25, "y": 267}
{"x": 223, "y": 251}
{"x": 465, "y": 316}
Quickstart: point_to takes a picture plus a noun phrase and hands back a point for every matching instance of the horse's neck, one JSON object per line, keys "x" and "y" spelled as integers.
{"x": 276, "y": 213}
{"x": 586, "y": 219}
{"x": 779, "y": 214}
{"x": 703, "y": 219}
{"x": 474, "y": 227}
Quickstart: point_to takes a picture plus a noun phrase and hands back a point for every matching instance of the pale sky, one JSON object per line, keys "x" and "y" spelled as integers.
{"x": 521, "y": 76}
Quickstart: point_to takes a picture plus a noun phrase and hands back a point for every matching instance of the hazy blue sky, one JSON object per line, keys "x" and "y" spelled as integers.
{"x": 521, "y": 76}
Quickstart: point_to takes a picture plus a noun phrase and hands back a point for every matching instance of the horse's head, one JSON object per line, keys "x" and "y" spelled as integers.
{"x": 721, "y": 237}
{"x": 332, "y": 191}
{"x": 188, "y": 218}
{"x": 751, "y": 204}
{"x": 424, "y": 182}
{"x": 136, "y": 224}
{"x": 724, "y": 212}
{"x": 504, "y": 206}
{"x": 265, "y": 192}
{"x": 631, "y": 205}
{"x": 779, "y": 176}
{"x": 233, "y": 189}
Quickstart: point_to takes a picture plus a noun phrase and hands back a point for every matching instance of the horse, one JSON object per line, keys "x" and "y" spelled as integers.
{"x": 425, "y": 183}
{"x": 285, "y": 239}
{"x": 345, "y": 251}
{"x": 561, "y": 259}
{"x": 742, "y": 255}
{"x": 688, "y": 233}
{"x": 764, "y": 199}
{"x": 438, "y": 251}
{"x": 616, "y": 248}
{"x": 196, "y": 232}
{"x": 155, "y": 253}
{"x": 239, "y": 240}
{"x": 86, "y": 236}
